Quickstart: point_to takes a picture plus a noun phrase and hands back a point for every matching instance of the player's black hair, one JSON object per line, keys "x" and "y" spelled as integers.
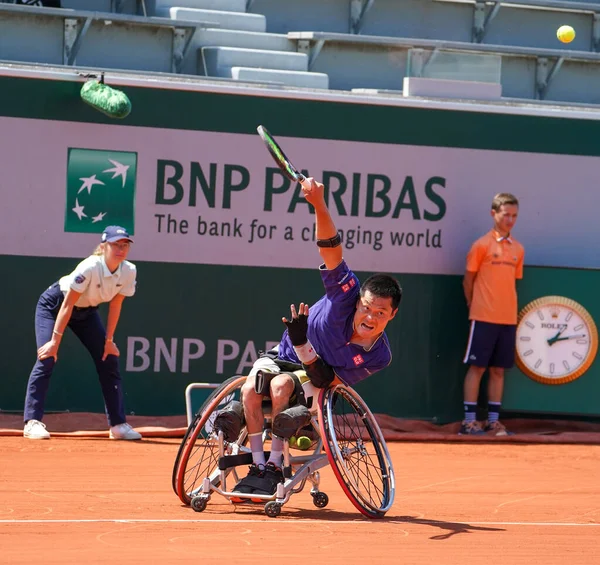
{"x": 383, "y": 286}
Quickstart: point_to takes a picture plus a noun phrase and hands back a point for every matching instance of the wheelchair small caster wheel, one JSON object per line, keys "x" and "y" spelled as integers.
{"x": 272, "y": 509}
{"x": 320, "y": 499}
{"x": 199, "y": 503}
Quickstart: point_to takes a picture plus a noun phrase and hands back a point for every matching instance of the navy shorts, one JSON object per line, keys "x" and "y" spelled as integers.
{"x": 491, "y": 345}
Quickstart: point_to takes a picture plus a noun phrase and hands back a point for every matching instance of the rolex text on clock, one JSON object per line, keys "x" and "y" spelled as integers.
{"x": 557, "y": 340}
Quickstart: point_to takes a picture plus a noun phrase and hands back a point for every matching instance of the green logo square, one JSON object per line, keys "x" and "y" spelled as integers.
{"x": 100, "y": 190}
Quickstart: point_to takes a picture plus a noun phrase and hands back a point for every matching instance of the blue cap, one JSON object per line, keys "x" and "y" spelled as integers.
{"x": 115, "y": 233}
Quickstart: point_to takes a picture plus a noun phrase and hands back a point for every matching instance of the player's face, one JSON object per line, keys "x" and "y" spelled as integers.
{"x": 372, "y": 315}
{"x": 117, "y": 251}
{"x": 505, "y": 218}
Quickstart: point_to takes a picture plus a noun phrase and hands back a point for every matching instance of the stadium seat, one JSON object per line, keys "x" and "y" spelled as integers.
{"x": 220, "y": 5}
{"x": 289, "y": 78}
{"x": 524, "y": 23}
{"x": 261, "y": 65}
{"x": 131, "y": 7}
{"x": 241, "y": 48}
{"x": 229, "y": 20}
{"x": 93, "y": 39}
{"x": 536, "y": 21}
{"x": 210, "y": 37}
{"x": 358, "y": 61}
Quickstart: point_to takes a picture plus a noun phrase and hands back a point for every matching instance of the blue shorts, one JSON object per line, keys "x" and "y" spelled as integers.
{"x": 491, "y": 345}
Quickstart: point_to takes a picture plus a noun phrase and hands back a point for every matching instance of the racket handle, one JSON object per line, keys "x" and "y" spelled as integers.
{"x": 303, "y": 181}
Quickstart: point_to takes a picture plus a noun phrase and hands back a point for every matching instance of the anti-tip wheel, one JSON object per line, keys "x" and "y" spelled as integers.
{"x": 320, "y": 499}
{"x": 199, "y": 503}
{"x": 272, "y": 509}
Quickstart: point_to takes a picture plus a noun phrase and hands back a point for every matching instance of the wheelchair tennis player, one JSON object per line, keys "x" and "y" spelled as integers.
{"x": 342, "y": 340}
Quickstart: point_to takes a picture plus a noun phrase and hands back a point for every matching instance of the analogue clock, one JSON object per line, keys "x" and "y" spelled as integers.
{"x": 557, "y": 340}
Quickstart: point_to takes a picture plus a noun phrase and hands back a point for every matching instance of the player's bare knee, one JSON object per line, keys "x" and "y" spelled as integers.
{"x": 248, "y": 385}
{"x": 282, "y": 387}
{"x": 249, "y": 396}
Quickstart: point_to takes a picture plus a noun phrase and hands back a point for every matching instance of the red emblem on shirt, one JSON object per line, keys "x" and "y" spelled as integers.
{"x": 358, "y": 360}
{"x": 345, "y": 288}
{"x": 352, "y": 283}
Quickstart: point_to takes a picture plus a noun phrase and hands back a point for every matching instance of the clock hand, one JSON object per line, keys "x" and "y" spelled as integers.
{"x": 554, "y": 339}
{"x": 576, "y": 336}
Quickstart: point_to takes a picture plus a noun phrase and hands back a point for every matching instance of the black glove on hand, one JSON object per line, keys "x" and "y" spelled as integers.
{"x": 297, "y": 328}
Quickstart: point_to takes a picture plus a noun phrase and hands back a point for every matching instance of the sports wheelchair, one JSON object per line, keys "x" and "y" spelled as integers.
{"x": 344, "y": 434}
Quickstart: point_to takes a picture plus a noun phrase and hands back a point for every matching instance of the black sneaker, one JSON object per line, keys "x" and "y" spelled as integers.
{"x": 271, "y": 477}
{"x": 249, "y": 483}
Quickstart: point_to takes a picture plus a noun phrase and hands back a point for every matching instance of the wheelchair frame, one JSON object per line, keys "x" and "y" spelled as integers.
{"x": 205, "y": 460}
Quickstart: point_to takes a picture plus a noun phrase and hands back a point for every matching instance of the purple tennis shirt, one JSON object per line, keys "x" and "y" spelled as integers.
{"x": 330, "y": 327}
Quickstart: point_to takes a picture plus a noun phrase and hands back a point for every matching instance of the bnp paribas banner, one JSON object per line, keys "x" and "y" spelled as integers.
{"x": 218, "y": 198}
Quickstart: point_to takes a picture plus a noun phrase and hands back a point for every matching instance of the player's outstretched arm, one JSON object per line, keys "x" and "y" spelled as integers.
{"x": 328, "y": 240}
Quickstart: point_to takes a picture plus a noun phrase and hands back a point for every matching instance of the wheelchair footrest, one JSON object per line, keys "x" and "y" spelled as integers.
{"x": 230, "y": 461}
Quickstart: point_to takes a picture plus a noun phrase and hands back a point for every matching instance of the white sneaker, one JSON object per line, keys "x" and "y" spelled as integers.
{"x": 123, "y": 431}
{"x": 34, "y": 429}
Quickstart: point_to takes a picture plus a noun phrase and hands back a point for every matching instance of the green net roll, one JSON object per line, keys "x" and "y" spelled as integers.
{"x": 114, "y": 103}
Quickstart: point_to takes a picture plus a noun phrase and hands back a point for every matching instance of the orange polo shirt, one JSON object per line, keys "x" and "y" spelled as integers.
{"x": 498, "y": 262}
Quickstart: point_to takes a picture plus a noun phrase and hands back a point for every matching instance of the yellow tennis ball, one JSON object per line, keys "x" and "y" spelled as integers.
{"x": 303, "y": 443}
{"x": 566, "y": 34}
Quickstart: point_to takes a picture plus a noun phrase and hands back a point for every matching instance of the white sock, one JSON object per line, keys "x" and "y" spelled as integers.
{"x": 256, "y": 445}
{"x": 276, "y": 456}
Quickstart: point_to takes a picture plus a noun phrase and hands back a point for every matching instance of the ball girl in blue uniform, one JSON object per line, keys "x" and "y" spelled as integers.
{"x": 72, "y": 302}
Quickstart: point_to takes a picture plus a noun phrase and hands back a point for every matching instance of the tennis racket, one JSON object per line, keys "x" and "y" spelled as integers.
{"x": 279, "y": 156}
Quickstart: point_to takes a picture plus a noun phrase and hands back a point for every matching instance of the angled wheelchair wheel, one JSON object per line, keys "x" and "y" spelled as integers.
{"x": 198, "y": 455}
{"x": 356, "y": 450}
{"x": 193, "y": 426}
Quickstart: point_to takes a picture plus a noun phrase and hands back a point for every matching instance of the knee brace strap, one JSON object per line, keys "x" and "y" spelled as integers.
{"x": 262, "y": 382}
{"x": 230, "y": 420}
{"x": 290, "y": 420}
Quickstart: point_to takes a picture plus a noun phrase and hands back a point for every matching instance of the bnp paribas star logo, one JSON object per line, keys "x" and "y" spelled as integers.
{"x": 100, "y": 190}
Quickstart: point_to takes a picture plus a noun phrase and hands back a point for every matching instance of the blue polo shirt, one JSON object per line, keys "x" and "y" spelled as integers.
{"x": 330, "y": 328}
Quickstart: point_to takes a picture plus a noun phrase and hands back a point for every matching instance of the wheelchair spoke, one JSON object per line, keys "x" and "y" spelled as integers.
{"x": 198, "y": 456}
{"x": 357, "y": 451}
{"x": 208, "y": 460}
{"x": 366, "y": 474}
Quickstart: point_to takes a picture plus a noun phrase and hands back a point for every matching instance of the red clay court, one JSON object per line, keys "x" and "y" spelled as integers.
{"x": 91, "y": 500}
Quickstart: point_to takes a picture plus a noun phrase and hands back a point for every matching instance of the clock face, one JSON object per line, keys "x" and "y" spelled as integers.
{"x": 557, "y": 340}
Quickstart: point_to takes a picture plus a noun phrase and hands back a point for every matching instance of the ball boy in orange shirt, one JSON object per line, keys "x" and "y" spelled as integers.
{"x": 494, "y": 263}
